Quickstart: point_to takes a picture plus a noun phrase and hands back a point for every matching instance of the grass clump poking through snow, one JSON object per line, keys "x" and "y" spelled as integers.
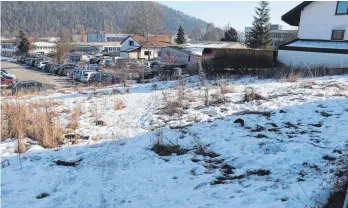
{"x": 119, "y": 105}
{"x": 166, "y": 149}
{"x": 74, "y": 122}
{"x": 38, "y": 122}
{"x": 251, "y": 95}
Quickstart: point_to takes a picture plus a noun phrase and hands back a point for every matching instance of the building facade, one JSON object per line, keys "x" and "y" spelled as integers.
{"x": 98, "y": 36}
{"x": 146, "y": 48}
{"x": 42, "y": 48}
{"x": 322, "y": 35}
{"x": 8, "y": 47}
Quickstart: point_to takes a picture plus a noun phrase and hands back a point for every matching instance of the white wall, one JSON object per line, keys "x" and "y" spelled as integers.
{"x": 302, "y": 58}
{"x": 126, "y": 45}
{"x": 318, "y": 20}
{"x": 154, "y": 53}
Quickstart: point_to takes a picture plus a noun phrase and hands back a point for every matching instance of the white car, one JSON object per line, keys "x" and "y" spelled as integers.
{"x": 42, "y": 64}
{"x": 4, "y": 72}
{"x": 86, "y": 75}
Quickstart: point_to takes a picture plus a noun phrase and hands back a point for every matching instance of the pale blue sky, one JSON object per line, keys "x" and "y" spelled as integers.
{"x": 238, "y": 14}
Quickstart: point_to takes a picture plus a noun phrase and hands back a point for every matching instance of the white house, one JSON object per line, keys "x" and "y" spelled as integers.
{"x": 322, "y": 35}
{"x": 8, "y": 47}
{"x": 189, "y": 54}
{"x": 42, "y": 48}
{"x": 141, "y": 47}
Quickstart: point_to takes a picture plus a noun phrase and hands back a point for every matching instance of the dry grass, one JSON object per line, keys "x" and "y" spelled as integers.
{"x": 119, "y": 105}
{"x": 226, "y": 88}
{"x": 35, "y": 121}
{"x": 74, "y": 122}
{"x": 251, "y": 95}
{"x": 22, "y": 147}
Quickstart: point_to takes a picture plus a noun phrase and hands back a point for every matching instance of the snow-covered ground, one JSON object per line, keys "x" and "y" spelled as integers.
{"x": 283, "y": 156}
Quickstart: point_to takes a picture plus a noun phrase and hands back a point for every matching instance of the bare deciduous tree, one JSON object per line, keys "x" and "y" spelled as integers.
{"x": 147, "y": 20}
{"x": 65, "y": 34}
{"x": 196, "y": 34}
{"x": 62, "y": 50}
{"x": 213, "y": 33}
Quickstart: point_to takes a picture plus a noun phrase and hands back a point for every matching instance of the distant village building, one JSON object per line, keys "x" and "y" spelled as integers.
{"x": 278, "y": 35}
{"x": 188, "y": 55}
{"x": 97, "y": 36}
{"x": 8, "y": 47}
{"x": 141, "y": 47}
{"x": 322, "y": 35}
{"x": 42, "y": 48}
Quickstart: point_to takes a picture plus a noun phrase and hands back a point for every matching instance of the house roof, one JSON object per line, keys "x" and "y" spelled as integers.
{"x": 8, "y": 41}
{"x": 213, "y": 44}
{"x": 293, "y": 16}
{"x": 152, "y": 41}
{"x": 318, "y": 46}
{"x": 130, "y": 49}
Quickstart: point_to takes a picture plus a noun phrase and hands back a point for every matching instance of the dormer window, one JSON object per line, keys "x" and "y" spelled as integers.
{"x": 337, "y": 35}
{"x": 131, "y": 43}
{"x": 342, "y": 7}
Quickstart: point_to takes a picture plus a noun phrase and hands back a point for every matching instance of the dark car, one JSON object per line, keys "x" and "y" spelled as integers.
{"x": 47, "y": 67}
{"x": 63, "y": 71}
{"x": 104, "y": 78}
{"x": 32, "y": 86}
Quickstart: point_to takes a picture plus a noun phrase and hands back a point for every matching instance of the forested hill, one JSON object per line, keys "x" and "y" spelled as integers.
{"x": 45, "y": 18}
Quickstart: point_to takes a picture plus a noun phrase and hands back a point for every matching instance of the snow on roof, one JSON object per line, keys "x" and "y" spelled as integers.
{"x": 129, "y": 49}
{"x": 43, "y": 44}
{"x": 320, "y": 44}
{"x": 213, "y": 44}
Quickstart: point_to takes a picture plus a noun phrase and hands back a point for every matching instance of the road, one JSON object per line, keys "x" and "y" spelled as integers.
{"x": 24, "y": 73}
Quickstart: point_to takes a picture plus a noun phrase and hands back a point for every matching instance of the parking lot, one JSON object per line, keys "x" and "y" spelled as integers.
{"x": 24, "y": 73}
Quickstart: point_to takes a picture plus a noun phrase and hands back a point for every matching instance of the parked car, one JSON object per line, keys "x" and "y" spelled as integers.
{"x": 41, "y": 64}
{"x": 63, "y": 71}
{"x": 31, "y": 86}
{"x": 27, "y": 61}
{"x": 7, "y": 81}
{"x": 34, "y": 60}
{"x": 86, "y": 75}
{"x": 47, "y": 67}
{"x": 105, "y": 78}
{"x": 72, "y": 73}
{"x": 54, "y": 69}
{"x": 4, "y": 72}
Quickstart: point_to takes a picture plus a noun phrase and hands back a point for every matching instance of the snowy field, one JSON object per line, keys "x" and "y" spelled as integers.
{"x": 281, "y": 153}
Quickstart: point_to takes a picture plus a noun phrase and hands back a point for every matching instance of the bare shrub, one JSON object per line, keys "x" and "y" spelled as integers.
{"x": 22, "y": 147}
{"x": 292, "y": 77}
{"x": 119, "y": 105}
{"x": 34, "y": 121}
{"x": 226, "y": 88}
{"x": 251, "y": 95}
{"x": 173, "y": 104}
{"x": 74, "y": 122}
{"x": 166, "y": 149}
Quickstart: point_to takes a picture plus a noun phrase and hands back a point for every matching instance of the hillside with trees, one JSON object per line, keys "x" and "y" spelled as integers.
{"x": 47, "y": 18}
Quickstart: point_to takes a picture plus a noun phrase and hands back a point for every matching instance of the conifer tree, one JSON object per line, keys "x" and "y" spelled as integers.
{"x": 260, "y": 36}
{"x": 180, "y": 37}
{"x": 23, "y": 42}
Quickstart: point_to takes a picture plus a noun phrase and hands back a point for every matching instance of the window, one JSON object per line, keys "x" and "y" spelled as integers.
{"x": 131, "y": 43}
{"x": 337, "y": 35}
{"x": 342, "y": 7}
{"x": 146, "y": 53}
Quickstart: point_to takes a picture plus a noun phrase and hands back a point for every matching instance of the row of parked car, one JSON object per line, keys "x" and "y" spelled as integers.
{"x": 75, "y": 72}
